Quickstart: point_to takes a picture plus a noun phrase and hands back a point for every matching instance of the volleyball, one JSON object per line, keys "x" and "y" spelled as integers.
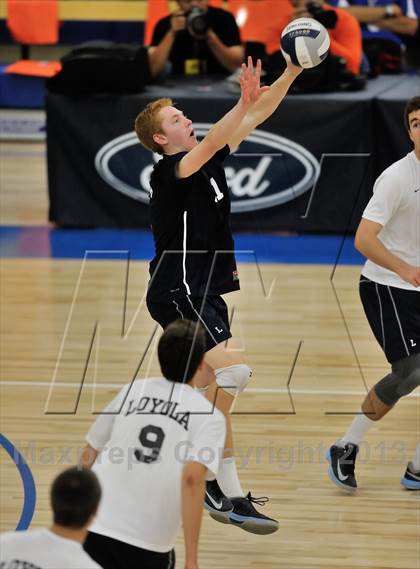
{"x": 305, "y": 42}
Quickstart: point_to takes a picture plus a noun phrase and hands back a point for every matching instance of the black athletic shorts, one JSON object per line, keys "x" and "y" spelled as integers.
{"x": 394, "y": 317}
{"x": 211, "y": 311}
{"x": 111, "y": 553}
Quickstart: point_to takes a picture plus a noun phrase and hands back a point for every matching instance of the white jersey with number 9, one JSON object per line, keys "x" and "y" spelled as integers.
{"x": 148, "y": 433}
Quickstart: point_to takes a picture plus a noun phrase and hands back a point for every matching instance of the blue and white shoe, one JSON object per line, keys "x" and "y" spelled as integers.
{"x": 341, "y": 469}
{"x": 245, "y": 516}
{"x": 411, "y": 478}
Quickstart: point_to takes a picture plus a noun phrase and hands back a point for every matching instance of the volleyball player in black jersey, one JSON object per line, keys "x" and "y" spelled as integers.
{"x": 194, "y": 263}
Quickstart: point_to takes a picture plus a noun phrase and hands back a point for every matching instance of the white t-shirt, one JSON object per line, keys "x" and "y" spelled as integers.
{"x": 149, "y": 432}
{"x": 42, "y": 549}
{"x": 395, "y": 204}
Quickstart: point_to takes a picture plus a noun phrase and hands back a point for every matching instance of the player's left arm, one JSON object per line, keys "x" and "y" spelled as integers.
{"x": 193, "y": 487}
{"x": 211, "y": 435}
{"x": 266, "y": 104}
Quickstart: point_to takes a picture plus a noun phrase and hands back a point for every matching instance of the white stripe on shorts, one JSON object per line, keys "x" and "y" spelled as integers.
{"x": 398, "y": 320}
{"x": 178, "y": 309}
{"x": 201, "y": 320}
{"x": 381, "y": 315}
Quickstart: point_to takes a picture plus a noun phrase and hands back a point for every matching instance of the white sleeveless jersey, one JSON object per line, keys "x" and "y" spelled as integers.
{"x": 149, "y": 432}
{"x": 42, "y": 549}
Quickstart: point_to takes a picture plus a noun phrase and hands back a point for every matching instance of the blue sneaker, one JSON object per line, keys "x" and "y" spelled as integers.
{"x": 245, "y": 516}
{"x": 341, "y": 469}
{"x": 411, "y": 478}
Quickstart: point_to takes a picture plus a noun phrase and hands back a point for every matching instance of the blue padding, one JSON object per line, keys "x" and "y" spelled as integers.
{"x": 21, "y": 91}
{"x": 73, "y": 32}
{"x": 43, "y": 242}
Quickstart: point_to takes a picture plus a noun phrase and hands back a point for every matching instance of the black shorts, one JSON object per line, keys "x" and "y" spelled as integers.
{"x": 394, "y": 317}
{"x": 111, "y": 553}
{"x": 211, "y": 311}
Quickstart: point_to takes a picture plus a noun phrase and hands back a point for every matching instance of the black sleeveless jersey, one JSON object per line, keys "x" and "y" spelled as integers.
{"x": 194, "y": 248}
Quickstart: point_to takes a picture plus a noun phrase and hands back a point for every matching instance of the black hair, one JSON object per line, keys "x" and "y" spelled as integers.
{"x": 181, "y": 348}
{"x": 75, "y": 496}
{"x": 412, "y": 105}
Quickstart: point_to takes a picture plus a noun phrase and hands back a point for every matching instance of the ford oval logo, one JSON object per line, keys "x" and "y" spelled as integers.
{"x": 266, "y": 171}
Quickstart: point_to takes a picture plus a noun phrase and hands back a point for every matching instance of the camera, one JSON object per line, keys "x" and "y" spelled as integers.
{"x": 328, "y": 18}
{"x": 197, "y": 21}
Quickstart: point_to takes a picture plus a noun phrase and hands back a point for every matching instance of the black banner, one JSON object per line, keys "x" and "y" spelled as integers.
{"x": 310, "y": 167}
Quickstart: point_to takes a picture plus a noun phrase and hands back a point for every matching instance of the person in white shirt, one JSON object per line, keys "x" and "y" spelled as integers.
{"x": 389, "y": 236}
{"x": 152, "y": 449}
{"x": 75, "y": 495}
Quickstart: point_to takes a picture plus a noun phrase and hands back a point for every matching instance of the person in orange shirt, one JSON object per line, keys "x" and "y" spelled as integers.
{"x": 345, "y": 36}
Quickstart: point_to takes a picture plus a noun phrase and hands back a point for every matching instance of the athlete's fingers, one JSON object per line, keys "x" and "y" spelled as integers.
{"x": 244, "y": 90}
{"x": 258, "y": 71}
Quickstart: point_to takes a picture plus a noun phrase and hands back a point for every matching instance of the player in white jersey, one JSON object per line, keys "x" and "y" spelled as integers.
{"x": 389, "y": 236}
{"x": 152, "y": 449}
{"x": 75, "y": 496}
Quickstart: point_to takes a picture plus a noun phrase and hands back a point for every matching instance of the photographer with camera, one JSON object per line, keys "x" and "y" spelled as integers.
{"x": 197, "y": 39}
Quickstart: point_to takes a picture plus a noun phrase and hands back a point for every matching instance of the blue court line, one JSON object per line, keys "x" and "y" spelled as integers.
{"x": 29, "y": 490}
{"x": 46, "y": 242}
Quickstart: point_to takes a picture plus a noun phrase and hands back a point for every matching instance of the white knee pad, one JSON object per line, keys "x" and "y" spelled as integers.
{"x": 233, "y": 379}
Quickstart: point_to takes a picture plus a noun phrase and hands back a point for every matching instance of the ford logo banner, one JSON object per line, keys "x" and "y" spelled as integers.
{"x": 267, "y": 170}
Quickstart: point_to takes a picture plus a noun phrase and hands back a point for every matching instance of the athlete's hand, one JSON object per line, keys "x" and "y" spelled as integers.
{"x": 294, "y": 69}
{"x": 410, "y": 275}
{"x": 191, "y": 565}
{"x": 251, "y": 90}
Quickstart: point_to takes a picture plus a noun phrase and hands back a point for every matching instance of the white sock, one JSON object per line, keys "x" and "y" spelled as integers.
{"x": 357, "y": 430}
{"x": 228, "y": 478}
{"x": 416, "y": 460}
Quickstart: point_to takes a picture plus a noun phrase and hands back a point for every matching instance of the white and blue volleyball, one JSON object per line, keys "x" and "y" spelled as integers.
{"x": 305, "y": 42}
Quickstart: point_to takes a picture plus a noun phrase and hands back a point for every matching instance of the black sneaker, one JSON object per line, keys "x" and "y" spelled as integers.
{"x": 411, "y": 478}
{"x": 245, "y": 516}
{"x": 216, "y": 502}
{"x": 341, "y": 469}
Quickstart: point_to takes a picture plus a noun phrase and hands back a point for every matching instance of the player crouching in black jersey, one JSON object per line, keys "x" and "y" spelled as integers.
{"x": 194, "y": 262}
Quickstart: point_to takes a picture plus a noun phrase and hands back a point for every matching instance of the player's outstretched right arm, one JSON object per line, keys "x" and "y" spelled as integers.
{"x": 193, "y": 486}
{"x": 265, "y": 106}
{"x": 219, "y": 135}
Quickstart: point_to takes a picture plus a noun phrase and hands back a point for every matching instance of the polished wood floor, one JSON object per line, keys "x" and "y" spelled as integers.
{"x": 280, "y": 453}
